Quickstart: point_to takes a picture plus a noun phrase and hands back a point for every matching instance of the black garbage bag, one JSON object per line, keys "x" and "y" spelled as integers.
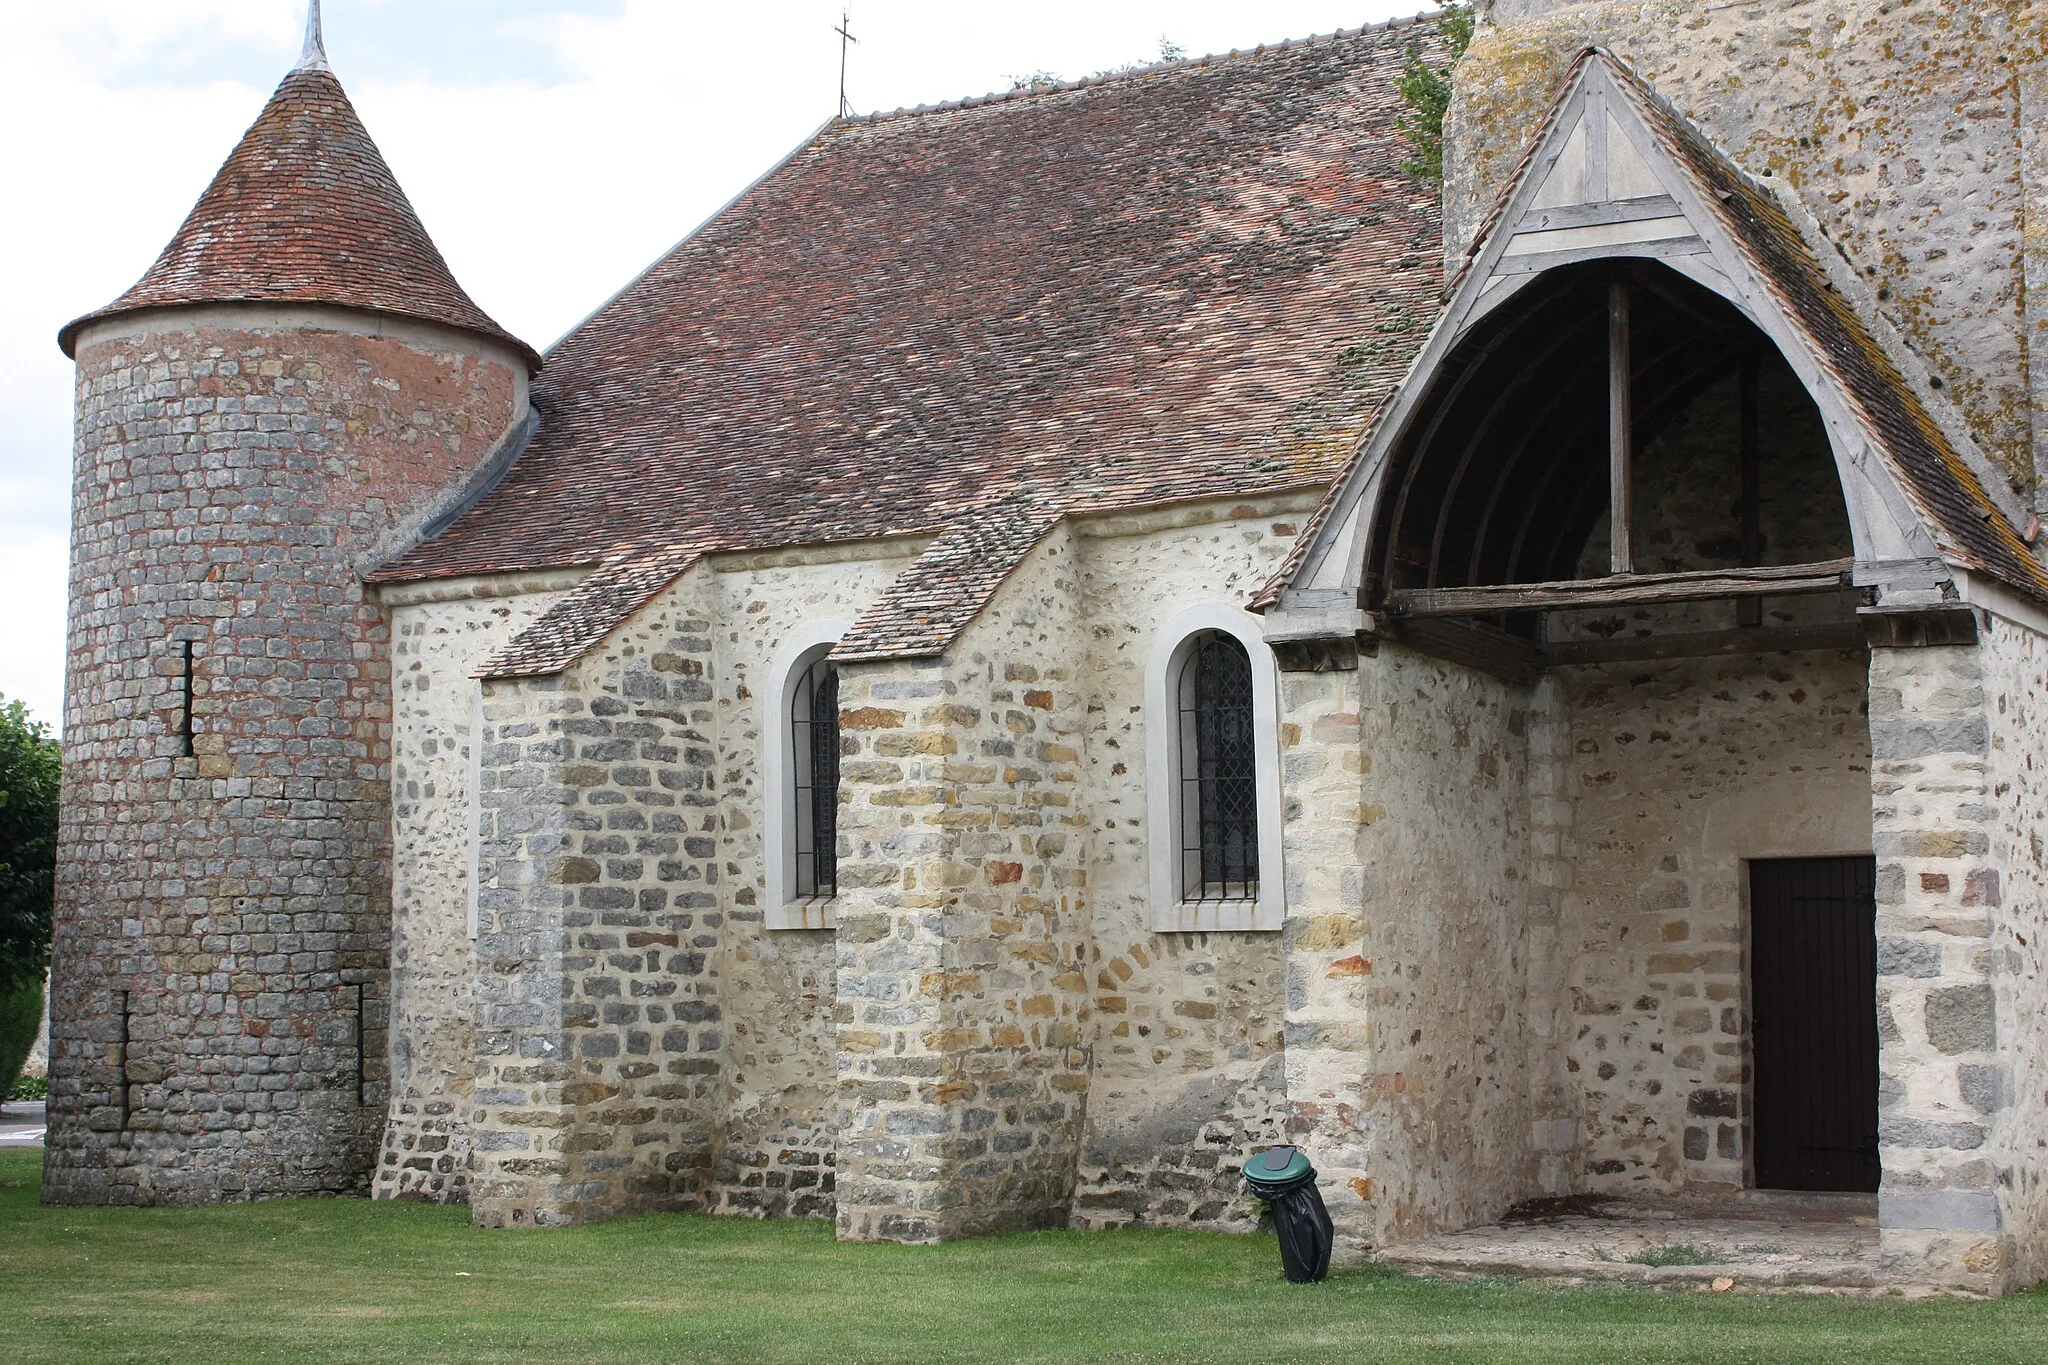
{"x": 1283, "y": 1178}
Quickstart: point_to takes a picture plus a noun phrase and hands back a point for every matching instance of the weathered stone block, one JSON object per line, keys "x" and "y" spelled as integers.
{"x": 1962, "y": 1018}
{"x": 1908, "y": 957}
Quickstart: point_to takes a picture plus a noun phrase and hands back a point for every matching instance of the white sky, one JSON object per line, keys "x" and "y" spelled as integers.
{"x": 552, "y": 147}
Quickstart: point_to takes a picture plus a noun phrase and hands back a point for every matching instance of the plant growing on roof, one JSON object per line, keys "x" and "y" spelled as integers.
{"x": 1426, "y": 89}
{"x": 1169, "y": 51}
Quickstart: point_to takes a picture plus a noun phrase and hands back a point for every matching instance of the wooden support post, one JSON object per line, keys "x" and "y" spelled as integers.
{"x": 1749, "y": 611}
{"x": 1621, "y": 556}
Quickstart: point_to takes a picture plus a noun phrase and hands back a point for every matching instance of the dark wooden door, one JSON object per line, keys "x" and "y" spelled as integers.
{"x": 1813, "y": 1021}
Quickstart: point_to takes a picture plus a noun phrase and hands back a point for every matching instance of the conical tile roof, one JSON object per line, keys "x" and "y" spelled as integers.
{"x": 305, "y": 211}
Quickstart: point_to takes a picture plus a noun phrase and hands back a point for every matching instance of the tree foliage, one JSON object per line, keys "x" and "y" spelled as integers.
{"x": 1426, "y": 90}
{"x": 28, "y": 845}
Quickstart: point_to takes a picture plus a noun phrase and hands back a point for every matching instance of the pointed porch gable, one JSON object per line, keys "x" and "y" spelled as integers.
{"x": 1614, "y": 175}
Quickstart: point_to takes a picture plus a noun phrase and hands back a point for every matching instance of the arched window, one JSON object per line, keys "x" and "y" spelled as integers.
{"x": 1212, "y": 762}
{"x": 1219, "y": 805}
{"x": 814, "y": 785}
{"x": 800, "y": 780}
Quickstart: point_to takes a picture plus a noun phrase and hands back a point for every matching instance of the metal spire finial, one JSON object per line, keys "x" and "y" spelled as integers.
{"x": 845, "y": 32}
{"x": 314, "y": 58}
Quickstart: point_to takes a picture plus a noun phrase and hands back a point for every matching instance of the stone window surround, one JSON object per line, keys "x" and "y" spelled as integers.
{"x": 1170, "y": 912}
{"x": 804, "y": 646}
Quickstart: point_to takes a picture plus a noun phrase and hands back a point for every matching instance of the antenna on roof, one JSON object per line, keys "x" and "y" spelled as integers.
{"x": 845, "y": 32}
{"x": 314, "y": 58}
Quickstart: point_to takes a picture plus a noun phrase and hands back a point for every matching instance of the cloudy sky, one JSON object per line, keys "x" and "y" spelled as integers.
{"x": 553, "y": 148}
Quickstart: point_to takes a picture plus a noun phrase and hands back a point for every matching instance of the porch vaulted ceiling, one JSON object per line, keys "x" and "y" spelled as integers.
{"x": 1505, "y": 470}
{"x": 1627, "y": 266}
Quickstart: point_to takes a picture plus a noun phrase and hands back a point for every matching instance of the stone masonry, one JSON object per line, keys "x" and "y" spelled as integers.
{"x": 2013, "y": 1091}
{"x": 438, "y": 637}
{"x": 1671, "y": 788}
{"x": 1957, "y": 936}
{"x": 776, "y": 1147}
{"x": 1187, "y": 1078}
{"x": 1407, "y": 1067}
{"x": 1013, "y": 826}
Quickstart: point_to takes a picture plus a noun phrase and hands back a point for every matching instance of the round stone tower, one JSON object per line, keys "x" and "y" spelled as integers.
{"x": 291, "y": 394}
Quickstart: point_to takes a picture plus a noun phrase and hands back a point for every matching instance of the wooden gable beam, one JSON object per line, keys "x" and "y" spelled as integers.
{"x": 1622, "y": 590}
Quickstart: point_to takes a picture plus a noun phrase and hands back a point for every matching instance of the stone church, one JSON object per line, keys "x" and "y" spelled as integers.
{"x": 1066, "y": 637}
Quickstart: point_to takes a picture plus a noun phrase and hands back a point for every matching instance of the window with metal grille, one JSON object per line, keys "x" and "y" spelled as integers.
{"x": 1219, "y": 790}
{"x": 814, "y": 755}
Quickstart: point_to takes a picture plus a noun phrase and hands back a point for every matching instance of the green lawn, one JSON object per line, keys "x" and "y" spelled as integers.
{"x": 352, "y": 1280}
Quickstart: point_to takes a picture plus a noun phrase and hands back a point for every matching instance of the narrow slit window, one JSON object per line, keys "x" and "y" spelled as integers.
{"x": 1219, "y": 798}
{"x": 361, "y": 1035}
{"x": 185, "y": 703}
{"x": 814, "y": 751}
{"x": 121, "y": 1095}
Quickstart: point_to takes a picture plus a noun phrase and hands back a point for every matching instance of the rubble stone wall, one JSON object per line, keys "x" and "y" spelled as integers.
{"x": 2013, "y": 1092}
{"x": 777, "y": 1138}
{"x": 1555, "y": 1096}
{"x": 223, "y": 914}
{"x": 972, "y": 787}
{"x": 1407, "y": 1053}
{"x": 1677, "y": 774}
{"x": 438, "y": 637}
{"x": 1187, "y": 1079}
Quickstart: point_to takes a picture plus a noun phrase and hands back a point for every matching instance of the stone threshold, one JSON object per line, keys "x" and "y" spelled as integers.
{"x": 1756, "y": 1240}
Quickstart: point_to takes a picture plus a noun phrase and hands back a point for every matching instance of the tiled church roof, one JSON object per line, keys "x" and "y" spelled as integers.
{"x": 305, "y": 211}
{"x": 1193, "y": 281}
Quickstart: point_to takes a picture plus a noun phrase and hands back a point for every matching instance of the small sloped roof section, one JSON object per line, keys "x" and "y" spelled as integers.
{"x": 1193, "y": 281}
{"x": 933, "y": 600}
{"x": 626, "y": 581}
{"x": 304, "y": 210}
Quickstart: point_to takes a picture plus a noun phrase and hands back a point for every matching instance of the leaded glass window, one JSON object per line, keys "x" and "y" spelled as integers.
{"x": 814, "y": 753}
{"x": 1219, "y": 798}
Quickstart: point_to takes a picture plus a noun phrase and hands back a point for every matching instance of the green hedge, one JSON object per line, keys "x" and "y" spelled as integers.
{"x": 21, "y": 1019}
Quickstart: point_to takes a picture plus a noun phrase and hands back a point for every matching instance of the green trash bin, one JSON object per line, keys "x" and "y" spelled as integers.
{"x": 1283, "y": 1177}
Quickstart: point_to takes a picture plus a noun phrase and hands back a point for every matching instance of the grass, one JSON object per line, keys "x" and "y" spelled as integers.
{"x": 354, "y": 1280}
